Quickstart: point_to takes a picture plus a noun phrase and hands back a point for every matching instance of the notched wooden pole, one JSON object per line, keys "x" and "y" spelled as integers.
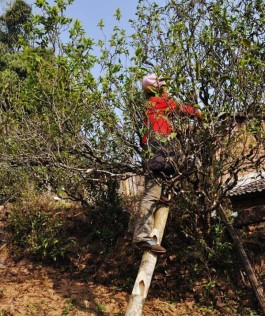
{"x": 147, "y": 267}
{"x": 256, "y": 286}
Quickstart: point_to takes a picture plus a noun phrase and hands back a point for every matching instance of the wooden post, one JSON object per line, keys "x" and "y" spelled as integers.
{"x": 246, "y": 263}
{"x": 147, "y": 267}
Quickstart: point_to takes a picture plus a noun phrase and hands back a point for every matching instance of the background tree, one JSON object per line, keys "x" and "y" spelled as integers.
{"x": 59, "y": 124}
{"x": 13, "y": 24}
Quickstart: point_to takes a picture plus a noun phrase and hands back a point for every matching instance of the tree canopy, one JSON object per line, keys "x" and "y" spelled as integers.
{"x": 13, "y": 24}
{"x": 64, "y": 125}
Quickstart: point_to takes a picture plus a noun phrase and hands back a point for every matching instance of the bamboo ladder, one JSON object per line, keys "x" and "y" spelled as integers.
{"x": 147, "y": 267}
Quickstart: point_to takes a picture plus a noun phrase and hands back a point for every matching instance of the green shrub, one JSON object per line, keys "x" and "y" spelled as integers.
{"x": 37, "y": 228}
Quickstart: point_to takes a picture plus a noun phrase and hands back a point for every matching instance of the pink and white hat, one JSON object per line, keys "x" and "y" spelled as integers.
{"x": 152, "y": 81}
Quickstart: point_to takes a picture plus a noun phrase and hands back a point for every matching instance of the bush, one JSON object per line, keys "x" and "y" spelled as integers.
{"x": 37, "y": 228}
{"x": 47, "y": 230}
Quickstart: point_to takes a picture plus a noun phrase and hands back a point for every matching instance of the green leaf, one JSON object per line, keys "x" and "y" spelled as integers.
{"x": 138, "y": 51}
{"x": 117, "y": 14}
{"x": 246, "y": 42}
{"x": 101, "y": 24}
{"x": 40, "y": 3}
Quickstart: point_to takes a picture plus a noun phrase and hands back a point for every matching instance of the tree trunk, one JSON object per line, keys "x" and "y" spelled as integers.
{"x": 147, "y": 267}
{"x": 246, "y": 263}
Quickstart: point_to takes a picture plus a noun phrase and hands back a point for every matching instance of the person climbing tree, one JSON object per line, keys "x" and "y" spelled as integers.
{"x": 160, "y": 126}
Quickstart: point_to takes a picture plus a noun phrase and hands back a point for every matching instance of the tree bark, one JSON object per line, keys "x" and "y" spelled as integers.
{"x": 147, "y": 267}
{"x": 246, "y": 263}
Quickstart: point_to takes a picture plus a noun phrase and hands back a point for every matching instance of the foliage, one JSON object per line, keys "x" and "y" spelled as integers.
{"x": 37, "y": 227}
{"x": 45, "y": 229}
{"x": 57, "y": 117}
{"x": 206, "y": 252}
{"x": 80, "y": 129}
{"x": 11, "y": 188}
{"x": 13, "y": 22}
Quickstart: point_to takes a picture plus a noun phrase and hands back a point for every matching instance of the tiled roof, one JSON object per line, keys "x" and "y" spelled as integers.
{"x": 250, "y": 183}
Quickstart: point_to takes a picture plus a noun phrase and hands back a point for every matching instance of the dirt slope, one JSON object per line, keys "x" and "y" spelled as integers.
{"x": 30, "y": 289}
{"x": 98, "y": 281}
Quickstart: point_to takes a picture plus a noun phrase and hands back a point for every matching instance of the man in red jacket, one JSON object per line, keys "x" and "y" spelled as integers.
{"x": 161, "y": 110}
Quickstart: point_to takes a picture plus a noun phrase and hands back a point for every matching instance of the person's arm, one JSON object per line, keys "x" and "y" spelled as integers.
{"x": 191, "y": 111}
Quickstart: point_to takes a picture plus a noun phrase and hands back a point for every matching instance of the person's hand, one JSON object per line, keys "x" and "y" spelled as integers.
{"x": 199, "y": 115}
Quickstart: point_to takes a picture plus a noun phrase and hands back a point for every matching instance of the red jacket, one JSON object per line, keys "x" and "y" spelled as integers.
{"x": 158, "y": 116}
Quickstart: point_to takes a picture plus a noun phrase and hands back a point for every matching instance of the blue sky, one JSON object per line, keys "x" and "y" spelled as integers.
{"x": 89, "y": 12}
